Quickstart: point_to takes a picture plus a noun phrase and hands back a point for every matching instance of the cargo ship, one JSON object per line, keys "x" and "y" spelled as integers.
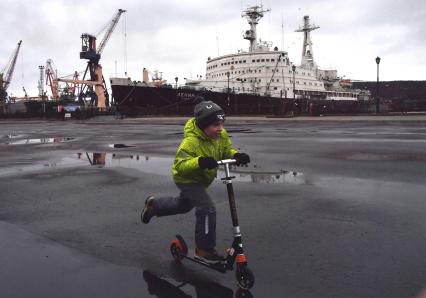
{"x": 261, "y": 80}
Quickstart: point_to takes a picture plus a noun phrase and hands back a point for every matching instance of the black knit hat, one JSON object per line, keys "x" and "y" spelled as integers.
{"x": 207, "y": 112}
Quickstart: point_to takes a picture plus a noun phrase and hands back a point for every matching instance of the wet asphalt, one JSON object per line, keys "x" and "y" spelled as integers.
{"x": 326, "y": 208}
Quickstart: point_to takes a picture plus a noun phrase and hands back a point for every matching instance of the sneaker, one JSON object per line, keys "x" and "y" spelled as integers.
{"x": 148, "y": 210}
{"x": 209, "y": 256}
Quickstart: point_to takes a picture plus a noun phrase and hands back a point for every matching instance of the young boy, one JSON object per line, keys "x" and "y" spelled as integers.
{"x": 195, "y": 166}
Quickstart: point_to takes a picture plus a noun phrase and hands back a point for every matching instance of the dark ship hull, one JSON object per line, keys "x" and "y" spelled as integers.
{"x": 167, "y": 101}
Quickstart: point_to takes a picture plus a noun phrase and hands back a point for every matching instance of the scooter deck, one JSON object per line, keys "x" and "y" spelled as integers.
{"x": 219, "y": 266}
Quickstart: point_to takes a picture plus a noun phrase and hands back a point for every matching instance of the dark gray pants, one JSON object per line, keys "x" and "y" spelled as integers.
{"x": 192, "y": 195}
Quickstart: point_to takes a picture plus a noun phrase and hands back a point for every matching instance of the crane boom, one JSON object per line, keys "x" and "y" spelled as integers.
{"x": 52, "y": 79}
{"x": 110, "y": 29}
{"x": 7, "y": 76}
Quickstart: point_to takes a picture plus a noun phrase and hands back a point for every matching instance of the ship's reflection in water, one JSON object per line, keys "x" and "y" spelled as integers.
{"x": 167, "y": 288}
{"x": 163, "y": 165}
{"x": 146, "y": 164}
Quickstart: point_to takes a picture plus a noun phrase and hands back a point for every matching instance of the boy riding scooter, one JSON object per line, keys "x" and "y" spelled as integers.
{"x": 195, "y": 166}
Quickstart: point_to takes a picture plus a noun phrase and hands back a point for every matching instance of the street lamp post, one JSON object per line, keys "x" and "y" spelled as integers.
{"x": 377, "y": 87}
{"x": 176, "y": 80}
{"x": 227, "y": 91}
{"x": 294, "y": 82}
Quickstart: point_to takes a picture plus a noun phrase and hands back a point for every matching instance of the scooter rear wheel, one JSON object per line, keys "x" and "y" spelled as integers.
{"x": 178, "y": 250}
{"x": 245, "y": 277}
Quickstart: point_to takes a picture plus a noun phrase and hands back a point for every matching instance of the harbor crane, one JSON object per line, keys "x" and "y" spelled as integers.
{"x": 6, "y": 75}
{"x": 53, "y": 82}
{"x": 95, "y": 87}
{"x": 52, "y": 79}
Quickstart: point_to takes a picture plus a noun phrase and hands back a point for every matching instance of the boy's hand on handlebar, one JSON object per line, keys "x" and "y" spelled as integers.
{"x": 207, "y": 163}
{"x": 241, "y": 158}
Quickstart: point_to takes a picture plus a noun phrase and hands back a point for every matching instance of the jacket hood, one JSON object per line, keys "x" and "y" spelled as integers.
{"x": 192, "y": 130}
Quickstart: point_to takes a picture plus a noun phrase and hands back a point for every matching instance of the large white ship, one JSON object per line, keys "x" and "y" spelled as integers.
{"x": 259, "y": 81}
{"x": 267, "y": 71}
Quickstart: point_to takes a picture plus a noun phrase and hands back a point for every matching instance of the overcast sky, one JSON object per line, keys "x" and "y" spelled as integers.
{"x": 176, "y": 37}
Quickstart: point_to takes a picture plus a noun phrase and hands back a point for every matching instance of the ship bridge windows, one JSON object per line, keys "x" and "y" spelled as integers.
{"x": 267, "y": 60}
{"x": 263, "y": 60}
{"x": 272, "y": 60}
{"x": 253, "y": 60}
{"x": 258, "y": 60}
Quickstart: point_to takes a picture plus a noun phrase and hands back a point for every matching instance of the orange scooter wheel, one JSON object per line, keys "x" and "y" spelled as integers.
{"x": 177, "y": 249}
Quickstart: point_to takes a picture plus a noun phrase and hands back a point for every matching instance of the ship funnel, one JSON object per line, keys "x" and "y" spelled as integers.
{"x": 145, "y": 76}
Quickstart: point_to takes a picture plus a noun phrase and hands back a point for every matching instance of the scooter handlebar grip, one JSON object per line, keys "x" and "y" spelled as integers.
{"x": 226, "y": 161}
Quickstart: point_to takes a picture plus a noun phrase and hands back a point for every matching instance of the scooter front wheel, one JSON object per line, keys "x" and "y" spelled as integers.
{"x": 245, "y": 277}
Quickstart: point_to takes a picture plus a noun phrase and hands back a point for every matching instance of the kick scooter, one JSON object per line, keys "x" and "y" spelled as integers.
{"x": 235, "y": 253}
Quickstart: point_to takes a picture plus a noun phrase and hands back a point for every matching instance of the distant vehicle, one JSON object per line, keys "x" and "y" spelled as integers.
{"x": 73, "y": 107}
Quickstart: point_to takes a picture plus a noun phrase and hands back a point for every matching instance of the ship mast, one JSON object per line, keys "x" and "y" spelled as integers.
{"x": 253, "y": 14}
{"x": 307, "y": 52}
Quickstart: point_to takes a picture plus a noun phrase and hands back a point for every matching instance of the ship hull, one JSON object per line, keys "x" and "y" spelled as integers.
{"x": 145, "y": 100}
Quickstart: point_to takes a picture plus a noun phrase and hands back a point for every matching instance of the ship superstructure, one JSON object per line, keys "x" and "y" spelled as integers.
{"x": 268, "y": 72}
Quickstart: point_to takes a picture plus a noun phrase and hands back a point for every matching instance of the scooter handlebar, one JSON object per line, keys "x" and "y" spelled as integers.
{"x": 226, "y": 161}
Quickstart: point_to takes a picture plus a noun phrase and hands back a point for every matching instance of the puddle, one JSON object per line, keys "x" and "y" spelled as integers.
{"x": 13, "y": 136}
{"x": 159, "y": 166}
{"x": 120, "y": 146}
{"x": 39, "y": 141}
{"x": 385, "y": 157}
{"x": 146, "y": 164}
{"x": 258, "y": 174}
{"x": 229, "y": 131}
{"x": 163, "y": 165}
{"x": 244, "y": 130}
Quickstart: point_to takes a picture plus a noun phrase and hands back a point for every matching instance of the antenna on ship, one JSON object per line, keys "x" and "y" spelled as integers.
{"x": 253, "y": 14}
{"x": 217, "y": 42}
{"x": 307, "y": 52}
{"x": 282, "y": 31}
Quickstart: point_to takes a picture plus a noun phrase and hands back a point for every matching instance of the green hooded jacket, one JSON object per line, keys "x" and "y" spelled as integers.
{"x": 196, "y": 144}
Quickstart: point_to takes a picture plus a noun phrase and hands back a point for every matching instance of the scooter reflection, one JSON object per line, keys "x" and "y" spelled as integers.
{"x": 162, "y": 288}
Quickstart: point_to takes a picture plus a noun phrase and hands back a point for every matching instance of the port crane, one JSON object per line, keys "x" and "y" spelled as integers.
{"x": 7, "y": 73}
{"x": 53, "y": 82}
{"x": 52, "y": 79}
{"x": 95, "y": 87}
